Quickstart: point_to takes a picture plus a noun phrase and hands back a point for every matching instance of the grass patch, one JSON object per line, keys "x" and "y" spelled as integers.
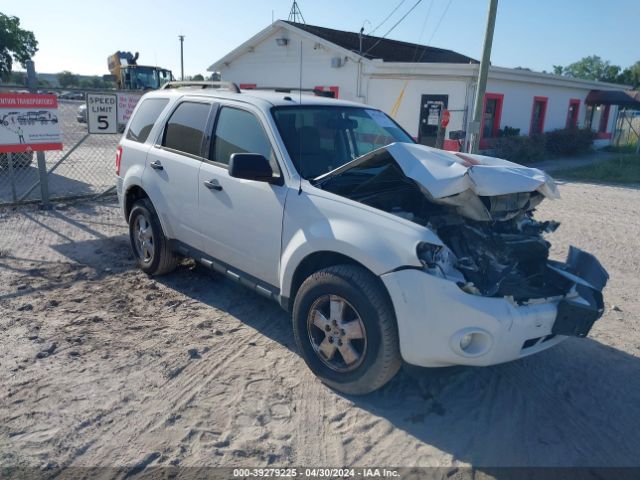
{"x": 617, "y": 170}
{"x": 629, "y": 148}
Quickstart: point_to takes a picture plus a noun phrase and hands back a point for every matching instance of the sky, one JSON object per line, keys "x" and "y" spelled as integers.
{"x": 535, "y": 34}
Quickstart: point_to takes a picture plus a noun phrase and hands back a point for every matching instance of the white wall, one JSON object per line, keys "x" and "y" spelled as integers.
{"x": 383, "y": 94}
{"x": 270, "y": 65}
{"x": 518, "y": 103}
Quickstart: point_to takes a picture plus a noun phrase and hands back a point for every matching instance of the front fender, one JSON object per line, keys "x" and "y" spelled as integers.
{"x": 378, "y": 240}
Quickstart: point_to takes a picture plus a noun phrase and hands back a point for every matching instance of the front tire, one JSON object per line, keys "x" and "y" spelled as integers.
{"x": 346, "y": 330}
{"x": 149, "y": 245}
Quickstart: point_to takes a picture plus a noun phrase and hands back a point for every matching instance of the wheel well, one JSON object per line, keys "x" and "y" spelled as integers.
{"x": 133, "y": 194}
{"x": 317, "y": 261}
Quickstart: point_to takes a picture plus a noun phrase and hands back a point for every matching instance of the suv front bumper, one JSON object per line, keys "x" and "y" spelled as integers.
{"x": 435, "y": 316}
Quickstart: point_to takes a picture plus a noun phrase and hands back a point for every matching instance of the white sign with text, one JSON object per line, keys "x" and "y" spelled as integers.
{"x": 102, "y": 112}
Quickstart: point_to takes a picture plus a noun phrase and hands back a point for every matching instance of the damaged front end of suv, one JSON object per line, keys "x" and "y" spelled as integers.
{"x": 482, "y": 208}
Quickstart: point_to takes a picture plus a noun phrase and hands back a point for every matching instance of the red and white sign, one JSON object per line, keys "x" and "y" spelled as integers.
{"x": 29, "y": 122}
{"x": 126, "y": 103}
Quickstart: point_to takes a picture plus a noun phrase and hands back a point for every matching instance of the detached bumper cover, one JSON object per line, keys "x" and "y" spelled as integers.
{"x": 576, "y": 315}
{"x": 433, "y": 313}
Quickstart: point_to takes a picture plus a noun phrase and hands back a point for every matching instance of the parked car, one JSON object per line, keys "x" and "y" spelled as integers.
{"x": 382, "y": 250}
{"x": 81, "y": 115}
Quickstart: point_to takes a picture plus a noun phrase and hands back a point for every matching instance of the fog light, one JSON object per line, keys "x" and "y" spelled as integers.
{"x": 471, "y": 342}
{"x": 465, "y": 341}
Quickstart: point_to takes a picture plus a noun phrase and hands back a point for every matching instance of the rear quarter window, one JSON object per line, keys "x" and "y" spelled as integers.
{"x": 145, "y": 118}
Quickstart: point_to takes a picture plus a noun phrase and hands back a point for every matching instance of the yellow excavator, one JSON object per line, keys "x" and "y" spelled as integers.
{"x": 128, "y": 75}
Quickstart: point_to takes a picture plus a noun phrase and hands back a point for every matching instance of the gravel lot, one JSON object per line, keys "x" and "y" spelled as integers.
{"x": 102, "y": 365}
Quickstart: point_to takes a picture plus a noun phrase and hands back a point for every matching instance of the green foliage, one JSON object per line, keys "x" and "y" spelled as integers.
{"x": 16, "y": 44}
{"x": 617, "y": 170}
{"x": 569, "y": 141}
{"x": 631, "y": 75}
{"x": 595, "y": 68}
{"x": 508, "y": 132}
{"x": 628, "y": 148}
{"x": 592, "y": 68}
{"x": 197, "y": 78}
{"x": 68, "y": 79}
{"x": 18, "y": 78}
{"x": 528, "y": 149}
{"x": 521, "y": 149}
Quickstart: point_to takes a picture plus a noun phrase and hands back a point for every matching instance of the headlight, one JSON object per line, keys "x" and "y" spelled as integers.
{"x": 439, "y": 260}
{"x": 428, "y": 254}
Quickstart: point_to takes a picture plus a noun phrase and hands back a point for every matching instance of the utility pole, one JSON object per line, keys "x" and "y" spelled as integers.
{"x": 181, "y": 37}
{"x": 474, "y": 126}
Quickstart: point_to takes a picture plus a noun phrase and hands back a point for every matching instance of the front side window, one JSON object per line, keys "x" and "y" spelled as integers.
{"x": 321, "y": 138}
{"x": 185, "y": 128}
{"x": 144, "y": 119}
{"x": 239, "y": 131}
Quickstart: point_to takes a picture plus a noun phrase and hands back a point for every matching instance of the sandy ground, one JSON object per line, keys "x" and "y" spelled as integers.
{"x": 101, "y": 365}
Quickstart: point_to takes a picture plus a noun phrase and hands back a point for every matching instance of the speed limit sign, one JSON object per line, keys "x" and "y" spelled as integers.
{"x": 102, "y": 112}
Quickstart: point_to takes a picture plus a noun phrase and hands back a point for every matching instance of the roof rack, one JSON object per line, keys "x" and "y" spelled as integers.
{"x": 317, "y": 91}
{"x": 202, "y": 84}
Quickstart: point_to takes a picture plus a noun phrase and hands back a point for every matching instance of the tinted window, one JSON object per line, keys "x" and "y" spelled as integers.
{"x": 238, "y": 131}
{"x": 144, "y": 119}
{"x": 185, "y": 129}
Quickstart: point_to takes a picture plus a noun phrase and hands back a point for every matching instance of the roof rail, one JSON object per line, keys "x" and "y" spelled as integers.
{"x": 202, "y": 84}
{"x": 316, "y": 91}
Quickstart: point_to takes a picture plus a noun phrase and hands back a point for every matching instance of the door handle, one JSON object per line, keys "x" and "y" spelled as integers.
{"x": 213, "y": 184}
{"x": 156, "y": 165}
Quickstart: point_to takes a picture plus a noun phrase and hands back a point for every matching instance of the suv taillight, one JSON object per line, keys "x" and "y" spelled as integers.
{"x": 118, "y": 159}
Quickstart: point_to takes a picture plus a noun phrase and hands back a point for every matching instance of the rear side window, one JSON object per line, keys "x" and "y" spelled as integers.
{"x": 238, "y": 131}
{"x": 185, "y": 129}
{"x": 144, "y": 119}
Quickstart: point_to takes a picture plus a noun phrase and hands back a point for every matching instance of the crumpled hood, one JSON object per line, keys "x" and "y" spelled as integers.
{"x": 443, "y": 174}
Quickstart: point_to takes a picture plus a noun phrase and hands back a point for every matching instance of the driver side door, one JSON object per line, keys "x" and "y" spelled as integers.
{"x": 241, "y": 220}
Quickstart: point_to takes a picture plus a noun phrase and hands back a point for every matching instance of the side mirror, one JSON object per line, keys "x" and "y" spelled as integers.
{"x": 250, "y": 166}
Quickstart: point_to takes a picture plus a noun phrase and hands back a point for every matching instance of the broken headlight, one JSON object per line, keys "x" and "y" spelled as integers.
{"x": 438, "y": 260}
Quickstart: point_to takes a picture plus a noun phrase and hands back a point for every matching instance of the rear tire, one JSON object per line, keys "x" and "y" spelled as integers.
{"x": 345, "y": 328}
{"x": 149, "y": 245}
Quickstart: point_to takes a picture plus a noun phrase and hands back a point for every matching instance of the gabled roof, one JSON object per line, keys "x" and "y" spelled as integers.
{"x": 383, "y": 48}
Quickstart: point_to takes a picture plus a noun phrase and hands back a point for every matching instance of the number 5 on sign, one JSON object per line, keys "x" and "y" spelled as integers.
{"x": 102, "y": 112}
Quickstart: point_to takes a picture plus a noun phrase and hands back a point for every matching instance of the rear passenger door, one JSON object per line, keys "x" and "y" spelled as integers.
{"x": 171, "y": 175}
{"x": 241, "y": 220}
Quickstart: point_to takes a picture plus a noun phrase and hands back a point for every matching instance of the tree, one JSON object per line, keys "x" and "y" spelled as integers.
{"x": 16, "y": 44}
{"x": 558, "y": 69}
{"x": 592, "y": 68}
{"x": 197, "y": 78}
{"x": 631, "y": 75}
{"x": 68, "y": 79}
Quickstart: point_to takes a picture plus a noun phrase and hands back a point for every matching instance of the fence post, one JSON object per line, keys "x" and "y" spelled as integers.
{"x": 32, "y": 84}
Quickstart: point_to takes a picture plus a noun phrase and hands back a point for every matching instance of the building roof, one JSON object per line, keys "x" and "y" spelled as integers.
{"x": 630, "y": 99}
{"x": 383, "y": 48}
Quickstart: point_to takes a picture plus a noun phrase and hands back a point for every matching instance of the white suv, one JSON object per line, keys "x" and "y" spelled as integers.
{"x": 382, "y": 249}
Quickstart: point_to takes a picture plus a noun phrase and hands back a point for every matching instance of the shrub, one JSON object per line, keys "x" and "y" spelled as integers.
{"x": 508, "y": 131}
{"x": 521, "y": 149}
{"x": 569, "y": 141}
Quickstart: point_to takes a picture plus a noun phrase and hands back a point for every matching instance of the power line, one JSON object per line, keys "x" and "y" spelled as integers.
{"x": 424, "y": 26}
{"x": 387, "y": 17}
{"x": 439, "y": 22}
{"x": 394, "y": 26}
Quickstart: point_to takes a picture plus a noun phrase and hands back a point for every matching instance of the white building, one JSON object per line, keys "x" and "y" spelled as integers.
{"x": 414, "y": 82}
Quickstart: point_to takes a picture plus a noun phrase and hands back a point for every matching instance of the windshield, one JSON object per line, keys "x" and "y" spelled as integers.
{"x": 322, "y": 138}
{"x": 142, "y": 78}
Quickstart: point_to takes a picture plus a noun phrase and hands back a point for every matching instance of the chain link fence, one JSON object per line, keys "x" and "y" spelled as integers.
{"x": 83, "y": 168}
